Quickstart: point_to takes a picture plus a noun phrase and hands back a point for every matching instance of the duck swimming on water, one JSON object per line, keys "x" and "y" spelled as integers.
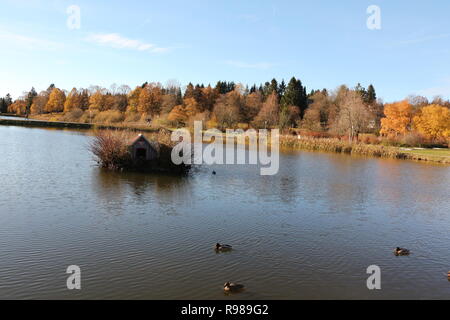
{"x": 401, "y": 251}
{"x": 233, "y": 287}
{"x": 223, "y": 247}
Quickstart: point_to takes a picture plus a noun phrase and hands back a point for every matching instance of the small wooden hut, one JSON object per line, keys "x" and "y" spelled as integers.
{"x": 143, "y": 150}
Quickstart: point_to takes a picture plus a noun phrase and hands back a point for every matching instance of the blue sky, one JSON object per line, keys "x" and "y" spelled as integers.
{"x": 324, "y": 43}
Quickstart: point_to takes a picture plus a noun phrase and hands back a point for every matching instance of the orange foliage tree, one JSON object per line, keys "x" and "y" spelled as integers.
{"x": 178, "y": 115}
{"x": 433, "y": 122}
{"x": 398, "y": 119}
{"x": 268, "y": 116}
{"x": 150, "y": 99}
{"x": 191, "y": 107}
{"x": 18, "y": 107}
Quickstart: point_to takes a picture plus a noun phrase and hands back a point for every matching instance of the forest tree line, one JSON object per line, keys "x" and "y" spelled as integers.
{"x": 341, "y": 112}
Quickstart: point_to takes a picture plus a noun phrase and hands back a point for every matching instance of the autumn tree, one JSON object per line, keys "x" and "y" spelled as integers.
{"x": 227, "y": 109}
{"x": 189, "y": 92}
{"x": 207, "y": 99}
{"x": 268, "y": 116}
{"x": 20, "y": 105}
{"x": 191, "y": 107}
{"x": 133, "y": 99}
{"x": 169, "y": 101}
{"x": 83, "y": 99}
{"x": 433, "y": 122}
{"x": 150, "y": 99}
{"x": 288, "y": 116}
{"x": 56, "y": 101}
{"x": 118, "y": 102}
{"x": 317, "y": 116}
{"x": 353, "y": 116}
{"x": 71, "y": 100}
{"x": 178, "y": 115}
{"x": 39, "y": 103}
{"x": 417, "y": 102}
{"x": 252, "y": 106}
{"x": 98, "y": 101}
{"x": 398, "y": 117}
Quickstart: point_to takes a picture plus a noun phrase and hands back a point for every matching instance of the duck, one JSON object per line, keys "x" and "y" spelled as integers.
{"x": 223, "y": 247}
{"x": 401, "y": 251}
{"x": 214, "y": 173}
{"x": 233, "y": 287}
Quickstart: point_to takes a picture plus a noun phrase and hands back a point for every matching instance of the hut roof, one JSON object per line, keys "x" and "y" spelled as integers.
{"x": 153, "y": 144}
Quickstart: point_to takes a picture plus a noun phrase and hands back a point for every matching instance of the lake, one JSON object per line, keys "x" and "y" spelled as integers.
{"x": 309, "y": 232}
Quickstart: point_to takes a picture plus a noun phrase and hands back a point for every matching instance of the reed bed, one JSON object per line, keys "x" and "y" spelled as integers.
{"x": 341, "y": 146}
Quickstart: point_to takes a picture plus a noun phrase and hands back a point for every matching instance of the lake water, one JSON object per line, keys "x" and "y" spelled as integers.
{"x": 310, "y": 232}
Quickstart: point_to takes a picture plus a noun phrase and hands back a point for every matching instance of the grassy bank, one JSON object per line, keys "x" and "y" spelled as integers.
{"x": 340, "y": 146}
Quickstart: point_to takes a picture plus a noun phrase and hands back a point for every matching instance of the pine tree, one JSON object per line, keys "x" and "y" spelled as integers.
{"x": 198, "y": 93}
{"x": 295, "y": 95}
{"x": 5, "y": 102}
{"x": 29, "y": 101}
{"x": 273, "y": 87}
{"x": 282, "y": 88}
{"x": 8, "y": 100}
{"x": 371, "y": 95}
{"x": 179, "y": 96}
{"x": 3, "y": 107}
{"x": 189, "y": 92}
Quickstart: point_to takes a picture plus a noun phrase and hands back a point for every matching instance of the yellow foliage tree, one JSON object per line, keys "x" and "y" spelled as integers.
{"x": 18, "y": 107}
{"x": 178, "y": 115}
{"x": 398, "y": 118}
{"x": 39, "y": 103}
{"x": 150, "y": 100}
{"x": 433, "y": 122}
{"x": 97, "y": 101}
{"x": 133, "y": 100}
{"x": 71, "y": 100}
{"x": 56, "y": 101}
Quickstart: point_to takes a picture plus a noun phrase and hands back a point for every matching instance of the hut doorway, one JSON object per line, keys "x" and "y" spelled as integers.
{"x": 141, "y": 153}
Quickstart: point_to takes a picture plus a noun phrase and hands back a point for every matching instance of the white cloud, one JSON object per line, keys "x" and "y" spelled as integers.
{"x": 28, "y": 42}
{"x": 245, "y": 65}
{"x": 441, "y": 90}
{"x": 115, "y": 40}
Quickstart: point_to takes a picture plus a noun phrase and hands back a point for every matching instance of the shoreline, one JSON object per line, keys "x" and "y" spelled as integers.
{"x": 66, "y": 125}
{"x": 360, "y": 149}
{"x": 286, "y": 142}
